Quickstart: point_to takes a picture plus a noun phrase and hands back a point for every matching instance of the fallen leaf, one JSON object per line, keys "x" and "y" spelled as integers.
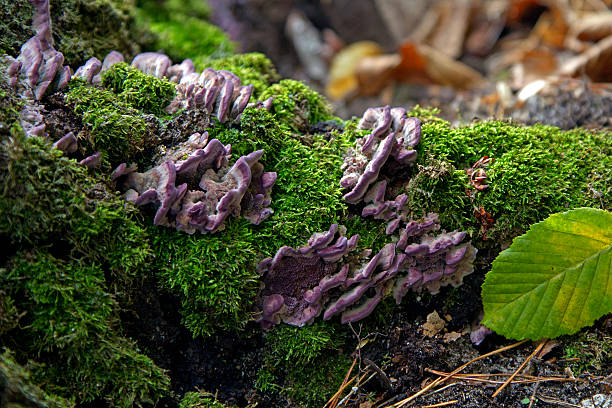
{"x": 548, "y": 347}
{"x": 434, "y": 324}
{"x": 422, "y": 64}
{"x": 593, "y": 26}
{"x": 452, "y": 336}
{"x": 374, "y": 73}
{"x": 342, "y": 80}
{"x": 595, "y": 62}
{"x": 452, "y": 27}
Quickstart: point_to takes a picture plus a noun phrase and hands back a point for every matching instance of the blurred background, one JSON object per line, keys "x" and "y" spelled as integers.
{"x": 546, "y": 61}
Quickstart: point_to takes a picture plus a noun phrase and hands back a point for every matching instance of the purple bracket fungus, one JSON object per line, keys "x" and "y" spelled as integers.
{"x": 88, "y": 71}
{"x": 391, "y": 143}
{"x": 93, "y": 161}
{"x": 325, "y": 277}
{"x": 67, "y": 144}
{"x": 38, "y": 63}
{"x": 194, "y": 188}
{"x": 152, "y": 63}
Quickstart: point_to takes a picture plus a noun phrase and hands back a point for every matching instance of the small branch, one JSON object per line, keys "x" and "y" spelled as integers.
{"x": 518, "y": 370}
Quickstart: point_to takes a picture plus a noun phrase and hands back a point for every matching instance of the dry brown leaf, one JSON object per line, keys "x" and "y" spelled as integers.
{"x": 451, "y": 336}
{"x": 401, "y": 16}
{"x": 593, "y": 26}
{"x": 488, "y": 24}
{"x": 595, "y": 62}
{"x": 548, "y": 347}
{"x": 376, "y": 72}
{"x": 342, "y": 80}
{"x": 434, "y": 324}
{"x": 551, "y": 28}
{"x": 451, "y": 29}
{"x": 422, "y": 64}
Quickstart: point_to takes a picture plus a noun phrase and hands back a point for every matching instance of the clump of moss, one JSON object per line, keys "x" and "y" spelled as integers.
{"x": 15, "y": 25}
{"x": 71, "y": 244}
{"x": 117, "y": 129}
{"x": 214, "y": 273}
{"x": 47, "y": 198}
{"x": 144, "y": 92}
{"x": 92, "y": 28}
{"x": 252, "y": 69}
{"x": 17, "y": 389}
{"x": 296, "y": 105}
{"x": 588, "y": 352}
{"x": 9, "y": 109}
{"x": 200, "y": 399}
{"x": 70, "y": 321}
{"x": 181, "y": 30}
{"x": 303, "y": 363}
{"x": 537, "y": 170}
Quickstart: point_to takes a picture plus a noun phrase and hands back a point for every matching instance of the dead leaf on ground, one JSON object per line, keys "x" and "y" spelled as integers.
{"x": 376, "y": 72}
{"x": 595, "y": 62}
{"x": 342, "y": 80}
{"x": 593, "y": 26}
{"x": 434, "y": 324}
{"x": 422, "y": 64}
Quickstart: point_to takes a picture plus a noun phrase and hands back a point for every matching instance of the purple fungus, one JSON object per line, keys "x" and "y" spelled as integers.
{"x": 67, "y": 144}
{"x": 179, "y": 71}
{"x": 93, "y": 161}
{"x": 88, "y": 71}
{"x": 197, "y": 189}
{"x": 327, "y": 276}
{"x": 112, "y": 58}
{"x": 373, "y": 160}
{"x": 152, "y": 63}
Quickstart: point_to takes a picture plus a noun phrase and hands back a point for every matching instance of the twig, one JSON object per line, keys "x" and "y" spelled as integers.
{"x": 334, "y": 399}
{"x": 440, "y": 404}
{"x": 552, "y": 400}
{"x": 446, "y": 377}
{"x": 477, "y": 377}
{"x": 533, "y": 398}
{"x": 383, "y": 377}
{"x": 518, "y": 370}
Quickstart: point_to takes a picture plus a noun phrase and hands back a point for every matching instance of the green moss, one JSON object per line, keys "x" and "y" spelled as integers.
{"x": 200, "y": 400}
{"x": 70, "y": 322}
{"x": 315, "y": 385}
{"x": 538, "y": 170}
{"x": 144, "y": 92}
{"x": 117, "y": 129}
{"x": 291, "y": 345}
{"x": 92, "y": 28}
{"x": 588, "y": 352}
{"x": 17, "y": 389}
{"x": 9, "y": 109}
{"x": 15, "y": 25}
{"x": 215, "y": 274}
{"x": 303, "y": 363}
{"x": 181, "y": 30}
{"x": 252, "y": 69}
{"x": 48, "y": 199}
{"x": 296, "y": 105}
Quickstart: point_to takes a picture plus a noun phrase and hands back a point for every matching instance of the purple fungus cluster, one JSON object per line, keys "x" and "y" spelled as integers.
{"x": 194, "y": 188}
{"x": 218, "y": 93}
{"x": 391, "y": 144}
{"x": 37, "y": 68}
{"x": 328, "y": 277}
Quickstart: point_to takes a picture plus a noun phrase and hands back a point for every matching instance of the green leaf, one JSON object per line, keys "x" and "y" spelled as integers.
{"x": 553, "y": 280}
